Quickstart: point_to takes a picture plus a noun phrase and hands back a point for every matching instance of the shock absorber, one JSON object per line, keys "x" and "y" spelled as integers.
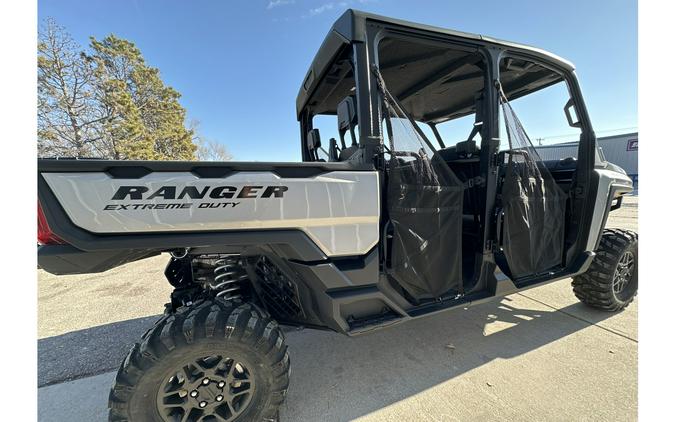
{"x": 228, "y": 276}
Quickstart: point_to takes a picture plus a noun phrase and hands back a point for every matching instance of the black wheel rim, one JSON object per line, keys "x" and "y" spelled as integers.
{"x": 209, "y": 389}
{"x": 623, "y": 272}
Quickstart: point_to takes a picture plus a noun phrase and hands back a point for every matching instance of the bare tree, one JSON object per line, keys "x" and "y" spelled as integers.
{"x": 69, "y": 119}
{"x": 208, "y": 149}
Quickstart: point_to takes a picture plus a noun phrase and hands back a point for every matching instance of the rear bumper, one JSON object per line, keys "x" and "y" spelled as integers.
{"x": 66, "y": 259}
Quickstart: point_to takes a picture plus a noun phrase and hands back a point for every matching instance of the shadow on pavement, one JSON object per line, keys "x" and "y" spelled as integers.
{"x": 88, "y": 352}
{"x": 341, "y": 377}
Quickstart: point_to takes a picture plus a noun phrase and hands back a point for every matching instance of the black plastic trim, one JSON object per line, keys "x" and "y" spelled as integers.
{"x": 138, "y": 169}
{"x": 66, "y": 259}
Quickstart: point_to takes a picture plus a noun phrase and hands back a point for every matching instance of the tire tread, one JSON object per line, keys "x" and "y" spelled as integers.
{"x": 244, "y": 323}
{"x": 594, "y": 286}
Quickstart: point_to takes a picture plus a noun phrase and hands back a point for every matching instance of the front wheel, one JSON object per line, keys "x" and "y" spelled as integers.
{"x": 212, "y": 361}
{"x": 611, "y": 281}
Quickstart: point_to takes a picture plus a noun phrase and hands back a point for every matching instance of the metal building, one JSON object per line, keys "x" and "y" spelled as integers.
{"x": 558, "y": 151}
{"x": 621, "y": 150}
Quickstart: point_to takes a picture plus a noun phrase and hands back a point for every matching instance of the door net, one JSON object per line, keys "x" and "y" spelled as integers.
{"x": 533, "y": 205}
{"x": 424, "y": 202}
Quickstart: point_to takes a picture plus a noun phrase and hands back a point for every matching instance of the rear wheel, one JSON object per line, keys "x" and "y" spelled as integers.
{"x": 212, "y": 361}
{"x": 611, "y": 282}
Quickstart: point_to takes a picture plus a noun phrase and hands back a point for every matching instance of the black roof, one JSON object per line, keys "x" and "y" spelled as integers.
{"x": 351, "y": 27}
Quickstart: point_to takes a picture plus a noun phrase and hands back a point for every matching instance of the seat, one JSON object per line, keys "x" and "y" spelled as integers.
{"x": 314, "y": 145}
{"x": 464, "y": 161}
{"x": 347, "y": 153}
{"x": 465, "y": 150}
{"x": 333, "y": 150}
{"x": 347, "y": 121}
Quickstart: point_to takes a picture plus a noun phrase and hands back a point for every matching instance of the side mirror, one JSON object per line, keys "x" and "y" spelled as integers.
{"x": 573, "y": 121}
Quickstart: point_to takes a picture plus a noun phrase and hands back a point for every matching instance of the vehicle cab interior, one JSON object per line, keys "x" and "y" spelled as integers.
{"x": 440, "y": 94}
{"x": 331, "y": 115}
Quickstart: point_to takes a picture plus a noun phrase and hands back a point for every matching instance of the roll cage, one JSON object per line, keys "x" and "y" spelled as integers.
{"x": 355, "y": 38}
{"x": 352, "y": 49}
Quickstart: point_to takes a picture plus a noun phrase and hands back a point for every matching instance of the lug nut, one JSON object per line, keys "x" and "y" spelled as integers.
{"x": 194, "y": 393}
{"x": 221, "y": 384}
{"x": 206, "y": 381}
{"x": 219, "y": 398}
{"x": 202, "y": 404}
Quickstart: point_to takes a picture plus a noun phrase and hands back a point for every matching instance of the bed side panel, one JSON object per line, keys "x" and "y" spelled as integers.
{"x": 338, "y": 210}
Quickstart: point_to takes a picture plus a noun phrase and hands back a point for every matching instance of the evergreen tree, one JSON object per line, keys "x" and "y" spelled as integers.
{"x": 107, "y": 103}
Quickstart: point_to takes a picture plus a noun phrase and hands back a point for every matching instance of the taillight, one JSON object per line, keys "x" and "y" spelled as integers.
{"x": 45, "y": 234}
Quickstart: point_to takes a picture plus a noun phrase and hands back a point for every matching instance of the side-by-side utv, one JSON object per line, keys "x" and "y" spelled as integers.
{"x": 428, "y": 197}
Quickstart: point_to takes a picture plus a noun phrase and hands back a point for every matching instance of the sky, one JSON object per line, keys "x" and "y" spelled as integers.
{"x": 239, "y": 63}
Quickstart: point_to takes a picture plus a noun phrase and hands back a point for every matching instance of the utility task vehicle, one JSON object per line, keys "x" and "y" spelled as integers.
{"x": 395, "y": 217}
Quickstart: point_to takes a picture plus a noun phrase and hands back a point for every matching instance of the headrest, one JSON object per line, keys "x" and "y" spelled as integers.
{"x": 313, "y": 140}
{"x": 346, "y": 111}
{"x": 466, "y": 148}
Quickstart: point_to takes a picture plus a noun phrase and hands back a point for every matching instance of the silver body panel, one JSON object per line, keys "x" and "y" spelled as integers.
{"x": 339, "y": 211}
{"x": 606, "y": 180}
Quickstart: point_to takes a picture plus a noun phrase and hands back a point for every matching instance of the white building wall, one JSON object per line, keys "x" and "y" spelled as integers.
{"x": 620, "y": 150}
{"x": 557, "y": 152}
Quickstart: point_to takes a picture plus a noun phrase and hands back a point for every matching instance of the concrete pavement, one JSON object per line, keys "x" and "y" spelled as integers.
{"x": 535, "y": 355}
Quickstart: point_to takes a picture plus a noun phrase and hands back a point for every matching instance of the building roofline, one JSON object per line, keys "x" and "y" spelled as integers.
{"x": 621, "y": 135}
{"x": 562, "y": 144}
{"x": 603, "y": 138}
